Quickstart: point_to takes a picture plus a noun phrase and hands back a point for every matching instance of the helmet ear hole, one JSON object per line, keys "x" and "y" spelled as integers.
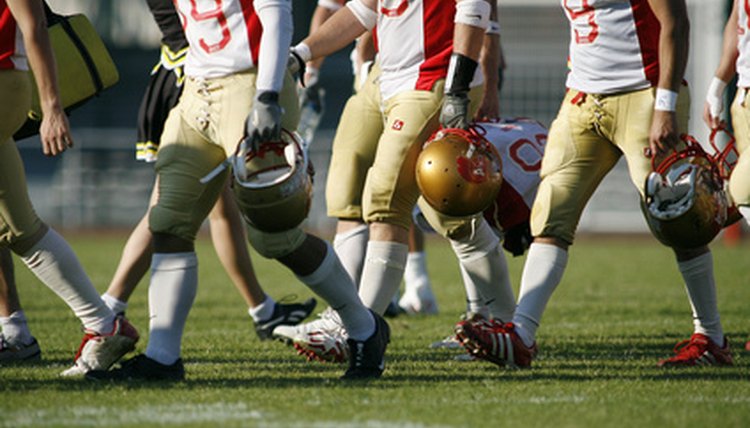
{"x": 459, "y": 173}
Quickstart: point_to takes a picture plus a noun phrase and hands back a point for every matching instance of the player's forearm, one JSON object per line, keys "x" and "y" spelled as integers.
{"x": 490, "y": 60}
{"x": 29, "y": 16}
{"x": 320, "y": 16}
{"x": 673, "y": 43}
{"x": 274, "y": 44}
{"x": 335, "y": 34}
{"x": 728, "y": 64}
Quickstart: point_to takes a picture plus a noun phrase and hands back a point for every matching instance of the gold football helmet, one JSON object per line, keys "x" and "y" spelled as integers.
{"x": 272, "y": 184}
{"x": 459, "y": 172}
{"x": 685, "y": 202}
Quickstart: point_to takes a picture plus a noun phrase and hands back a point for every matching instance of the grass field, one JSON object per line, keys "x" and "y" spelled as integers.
{"x": 620, "y": 308}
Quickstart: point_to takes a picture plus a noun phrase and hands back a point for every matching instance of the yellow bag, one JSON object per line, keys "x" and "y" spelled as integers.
{"x": 84, "y": 66}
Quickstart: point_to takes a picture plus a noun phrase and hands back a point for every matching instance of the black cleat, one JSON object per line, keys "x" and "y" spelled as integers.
{"x": 366, "y": 358}
{"x": 141, "y": 368}
{"x": 285, "y": 314}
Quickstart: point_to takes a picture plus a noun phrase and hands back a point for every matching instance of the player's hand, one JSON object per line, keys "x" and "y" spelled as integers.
{"x": 264, "y": 121}
{"x": 455, "y": 111}
{"x": 712, "y": 115}
{"x": 489, "y": 109}
{"x": 54, "y": 132}
{"x": 296, "y": 66}
{"x": 663, "y": 137}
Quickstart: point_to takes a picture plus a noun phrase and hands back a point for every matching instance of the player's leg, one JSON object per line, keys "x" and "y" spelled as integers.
{"x": 739, "y": 183}
{"x": 44, "y": 251}
{"x": 135, "y": 261}
{"x": 230, "y": 242}
{"x": 16, "y": 341}
{"x": 418, "y": 296}
{"x": 352, "y": 154}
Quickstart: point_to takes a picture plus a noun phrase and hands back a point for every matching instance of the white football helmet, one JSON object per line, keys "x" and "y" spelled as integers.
{"x": 685, "y": 202}
{"x": 273, "y": 184}
{"x": 459, "y": 172}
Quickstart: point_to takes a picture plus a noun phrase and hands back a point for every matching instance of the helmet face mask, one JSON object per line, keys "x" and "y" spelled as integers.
{"x": 459, "y": 173}
{"x": 685, "y": 203}
{"x": 272, "y": 185}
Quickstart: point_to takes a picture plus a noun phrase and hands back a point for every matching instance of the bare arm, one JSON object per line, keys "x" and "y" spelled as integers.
{"x": 490, "y": 61}
{"x": 724, "y": 72}
{"x": 337, "y": 32}
{"x": 54, "y": 131}
{"x": 673, "y": 54}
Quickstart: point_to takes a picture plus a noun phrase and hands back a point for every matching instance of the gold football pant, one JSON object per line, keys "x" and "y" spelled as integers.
{"x": 201, "y": 131}
{"x": 739, "y": 182}
{"x": 588, "y": 137}
{"x": 18, "y": 220}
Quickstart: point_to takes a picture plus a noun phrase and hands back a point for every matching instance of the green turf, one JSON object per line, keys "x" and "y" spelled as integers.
{"x": 620, "y": 308}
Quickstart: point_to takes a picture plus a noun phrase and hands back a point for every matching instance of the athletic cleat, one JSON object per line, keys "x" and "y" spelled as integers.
{"x": 495, "y": 342}
{"x": 141, "y": 368}
{"x": 100, "y": 351}
{"x": 699, "y": 350}
{"x": 419, "y": 300}
{"x": 324, "y": 345}
{"x": 12, "y": 353}
{"x": 285, "y": 314}
{"x": 321, "y": 340}
{"x": 367, "y": 358}
{"x": 747, "y": 346}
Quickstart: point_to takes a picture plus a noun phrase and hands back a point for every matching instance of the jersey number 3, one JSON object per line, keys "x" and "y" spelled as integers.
{"x": 582, "y": 16}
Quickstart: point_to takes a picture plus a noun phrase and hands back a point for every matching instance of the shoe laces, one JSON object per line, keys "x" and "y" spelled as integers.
{"x": 691, "y": 348}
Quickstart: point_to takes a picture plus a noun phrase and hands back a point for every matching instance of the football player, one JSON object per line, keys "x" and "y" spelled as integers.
{"x": 411, "y": 88}
{"x": 351, "y": 238}
{"x": 237, "y": 91}
{"x": 735, "y": 59}
{"x": 227, "y": 229}
{"x": 625, "y": 97}
{"x": 107, "y": 337}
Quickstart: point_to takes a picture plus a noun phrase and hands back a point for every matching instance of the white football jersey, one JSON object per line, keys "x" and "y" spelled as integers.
{"x": 613, "y": 45}
{"x": 743, "y": 42}
{"x": 224, "y": 36}
{"x": 414, "y": 39}
{"x": 12, "y": 50}
{"x": 521, "y": 143}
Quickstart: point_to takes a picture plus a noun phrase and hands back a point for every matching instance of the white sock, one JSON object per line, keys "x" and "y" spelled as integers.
{"x": 698, "y": 274}
{"x": 474, "y": 299}
{"x": 56, "y": 265}
{"x": 745, "y": 211}
{"x": 415, "y": 273}
{"x": 116, "y": 305}
{"x": 382, "y": 273}
{"x": 264, "y": 311}
{"x": 15, "y": 329}
{"x": 174, "y": 283}
{"x": 542, "y": 272}
{"x": 331, "y": 282}
{"x": 483, "y": 261}
{"x": 350, "y": 246}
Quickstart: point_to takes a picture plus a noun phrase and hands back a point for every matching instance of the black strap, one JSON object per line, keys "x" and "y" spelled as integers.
{"x": 54, "y": 18}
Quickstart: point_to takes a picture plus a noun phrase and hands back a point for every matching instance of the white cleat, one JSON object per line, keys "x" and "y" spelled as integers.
{"x": 101, "y": 351}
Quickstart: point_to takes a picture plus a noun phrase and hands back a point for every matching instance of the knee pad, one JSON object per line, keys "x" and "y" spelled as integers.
{"x": 275, "y": 245}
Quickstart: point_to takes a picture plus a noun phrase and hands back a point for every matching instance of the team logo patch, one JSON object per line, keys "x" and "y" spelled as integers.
{"x": 397, "y": 125}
